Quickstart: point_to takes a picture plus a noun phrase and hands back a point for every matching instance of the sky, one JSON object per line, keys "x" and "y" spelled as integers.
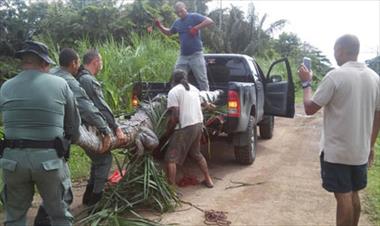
{"x": 321, "y": 22}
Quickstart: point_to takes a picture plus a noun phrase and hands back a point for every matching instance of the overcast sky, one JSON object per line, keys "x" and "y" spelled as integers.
{"x": 320, "y": 23}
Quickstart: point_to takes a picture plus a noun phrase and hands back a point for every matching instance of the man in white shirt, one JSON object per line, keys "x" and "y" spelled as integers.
{"x": 350, "y": 96}
{"x": 186, "y": 118}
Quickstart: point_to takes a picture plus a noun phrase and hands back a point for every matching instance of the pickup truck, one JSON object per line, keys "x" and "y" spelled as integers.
{"x": 251, "y": 98}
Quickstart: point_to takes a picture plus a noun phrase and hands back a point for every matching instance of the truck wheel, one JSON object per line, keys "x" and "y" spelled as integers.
{"x": 246, "y": 154}
{"x": 266, "y": 127}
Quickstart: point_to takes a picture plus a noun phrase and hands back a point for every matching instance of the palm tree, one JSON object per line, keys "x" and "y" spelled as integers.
{"x": 239, "y": 34}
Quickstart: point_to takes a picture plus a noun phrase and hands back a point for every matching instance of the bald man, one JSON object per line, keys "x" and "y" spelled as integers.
{"x": 350, "y": 96}
{"x": 188, "y": 26}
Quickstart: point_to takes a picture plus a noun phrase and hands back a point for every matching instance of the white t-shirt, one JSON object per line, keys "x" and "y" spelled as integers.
{"x": 350, "y": 96}
{"x": 188, "y": 101}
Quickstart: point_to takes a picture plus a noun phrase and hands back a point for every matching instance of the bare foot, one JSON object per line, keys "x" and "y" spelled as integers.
{"x": 208, "y": 183}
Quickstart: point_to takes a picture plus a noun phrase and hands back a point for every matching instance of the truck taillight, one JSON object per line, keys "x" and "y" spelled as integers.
{"x": 233, "y": 105}
{"x": 135, "y": 101}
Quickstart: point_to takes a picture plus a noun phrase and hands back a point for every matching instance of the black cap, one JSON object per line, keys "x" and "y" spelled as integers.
{"x": 37, "y": 48}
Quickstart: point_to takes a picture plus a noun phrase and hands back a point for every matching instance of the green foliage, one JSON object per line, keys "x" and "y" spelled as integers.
{"x": 236, "y": 33}
{"x": 374, "y": 64}
{"x": 79, "y": 163}
{"x": 69, "y": 22}
{"x": 13, "y": 26}
{"x": 373, "y": 188}
{"x": 8, "y": 68}
{"x": 147, "y": 58}
{"x": 144, "y": 185}
{"x": 150, "y": 57}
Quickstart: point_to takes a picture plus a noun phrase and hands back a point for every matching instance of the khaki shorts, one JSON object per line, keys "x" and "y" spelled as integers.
{"x": 185, "y": 142}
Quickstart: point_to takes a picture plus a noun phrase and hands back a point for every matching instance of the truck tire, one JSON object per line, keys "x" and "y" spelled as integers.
{"x": 246, "y": 155}
{"x": 266, "y": 127}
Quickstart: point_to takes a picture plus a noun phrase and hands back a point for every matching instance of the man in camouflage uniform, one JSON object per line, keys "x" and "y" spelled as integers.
{"x": 69, "y": 62}
{"x": 101, "y": 163}
{"x": 38, "y": 111}
{"x": 92, "y": 65}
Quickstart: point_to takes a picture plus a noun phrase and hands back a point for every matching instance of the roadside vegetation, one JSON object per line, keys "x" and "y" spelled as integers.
{"x": 372, "y": 195}
{"x": 133, "y": 49}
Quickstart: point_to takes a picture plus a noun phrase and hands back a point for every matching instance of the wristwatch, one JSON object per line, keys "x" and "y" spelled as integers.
{"x": 306, "y": 84}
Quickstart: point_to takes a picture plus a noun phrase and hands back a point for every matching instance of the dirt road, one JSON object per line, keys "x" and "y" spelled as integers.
{"x": 288, "y": 172}
{"x": 286, "y": 186}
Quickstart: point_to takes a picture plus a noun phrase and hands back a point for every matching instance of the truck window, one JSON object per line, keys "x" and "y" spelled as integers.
{"x": 223, "y": 70}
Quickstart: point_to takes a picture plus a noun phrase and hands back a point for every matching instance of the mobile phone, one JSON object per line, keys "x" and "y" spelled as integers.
{"x": 307, "y": 63}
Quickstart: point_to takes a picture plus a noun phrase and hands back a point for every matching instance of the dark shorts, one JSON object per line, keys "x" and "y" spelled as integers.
{"x": 342, "y": 178}
{"x": 185, "y": 142}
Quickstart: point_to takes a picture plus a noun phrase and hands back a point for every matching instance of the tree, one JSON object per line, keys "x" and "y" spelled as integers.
{"x": 288, "y": 44}
{"x": 259, "y": 37}
{"x": 239, "y": 34}
{"x": 374, "y": 64}
{"x": 13, "y": 26}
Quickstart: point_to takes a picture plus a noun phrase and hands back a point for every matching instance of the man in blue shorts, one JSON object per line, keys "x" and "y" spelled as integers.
{"x": 188, "y": 27}
{"x": 350, "y": 96}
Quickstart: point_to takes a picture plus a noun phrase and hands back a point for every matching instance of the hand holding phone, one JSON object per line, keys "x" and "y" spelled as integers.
{"x": 307, "y": 63}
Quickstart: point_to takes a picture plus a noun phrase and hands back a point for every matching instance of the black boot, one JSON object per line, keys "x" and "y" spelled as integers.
{"x": 87, "y": 194}
{"x": 95, "y": 198}
{"x": 42, "y": 218}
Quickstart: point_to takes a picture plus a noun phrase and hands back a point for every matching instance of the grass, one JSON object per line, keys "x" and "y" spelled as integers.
{"x": 79, "y": 163}
{"x": 372, "y": 195}
{"x": 298, "y": 97}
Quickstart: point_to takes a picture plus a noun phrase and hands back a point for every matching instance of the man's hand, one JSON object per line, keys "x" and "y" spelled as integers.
{"x": 193, "y": 32}
{"x": 157, "y": 23}
{"x": 304, "y": 74}
{"x": 121, "y": 137}
{"x": 208, "y": 106}
{"x": 371, "y": 157}
{"x": 106, "y": 143}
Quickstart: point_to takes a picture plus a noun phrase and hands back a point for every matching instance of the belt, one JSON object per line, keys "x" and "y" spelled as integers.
{"x": 21, "y": 143}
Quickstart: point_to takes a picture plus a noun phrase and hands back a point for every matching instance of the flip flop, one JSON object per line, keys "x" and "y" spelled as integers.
{"x": 207, "y": 184}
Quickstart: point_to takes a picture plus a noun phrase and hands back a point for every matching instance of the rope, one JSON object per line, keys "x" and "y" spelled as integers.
{"x": 219, "y": 218}
{"x": 212, "y": 217}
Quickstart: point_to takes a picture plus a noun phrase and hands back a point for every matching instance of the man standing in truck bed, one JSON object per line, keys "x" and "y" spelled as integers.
{"x": 188, "y": 27}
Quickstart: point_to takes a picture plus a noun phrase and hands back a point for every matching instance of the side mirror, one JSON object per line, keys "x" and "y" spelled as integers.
{"x": 275, "y": 78}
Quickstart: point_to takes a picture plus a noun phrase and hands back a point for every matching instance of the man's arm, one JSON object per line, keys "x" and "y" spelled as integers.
{"x": 310, "y": 107}
{"x": 162, "y": 28}
{"x": 71, "y": 118}
{"x": 207, "y": 22}
{"x": 94, "y": 91}
{"x": 88, "y": 112}
{"x": 306, "y": 77}
{"x": 173, "y": 120}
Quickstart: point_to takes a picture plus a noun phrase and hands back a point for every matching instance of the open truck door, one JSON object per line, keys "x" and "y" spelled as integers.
{"x": 279, "y": 90}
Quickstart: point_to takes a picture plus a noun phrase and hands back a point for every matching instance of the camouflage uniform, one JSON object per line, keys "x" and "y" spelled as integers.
{"x": 39, "y": 107}
{"x": 101, "y": 163}
{"x": 94, "y": 92}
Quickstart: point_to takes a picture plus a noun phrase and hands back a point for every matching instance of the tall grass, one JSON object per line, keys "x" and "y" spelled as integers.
{"x": 150, "y": 57}
{"x": 372, "y": 196}
{"x": 147, "y": 58}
